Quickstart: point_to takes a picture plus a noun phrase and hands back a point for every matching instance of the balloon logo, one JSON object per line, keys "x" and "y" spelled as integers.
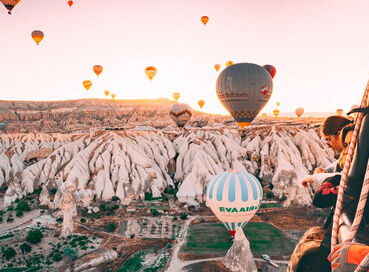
{"x": 113, "y": 96}
{"x": 180, "y": 114}
{"x": 217, "y": 67}
{"x": 97, "y": 69}
{"x": 176, "y": 96}
{"x": 339, "y": 111}
{"x": 229, "y": 63}
{"x": 204, "y": 20}
{"x": 299, "y": 111}
{"x": 150, "y": 71}
{"x": 201, "y": 103}
{"x": 271, "y": 69}
{"x": 37, "y": 36}
{"x": 234, "y": 197}
{"x": 276, "y": 112}
{"x": 87, "y": 84}
{"x": 244, "y": 89}
{"x": 70, "y": 3}
{"x": 10, "y": 4}
{"x": 106, "y": 92}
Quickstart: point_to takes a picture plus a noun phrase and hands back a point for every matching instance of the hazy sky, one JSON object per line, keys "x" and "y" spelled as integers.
{"x": 320, "y": 49}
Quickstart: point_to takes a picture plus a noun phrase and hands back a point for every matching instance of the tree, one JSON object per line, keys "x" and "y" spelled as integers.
{"x": 154, "y": 212}
{"x": 34, "y": 236}
{"x": 25, "y": 248}
{"x": 70, "y": 252}
{"x": 111, "y": 227}
{"x": 23, "y": 206}
{"x": 8, "y": 253}
{"x": 183, "y": 215}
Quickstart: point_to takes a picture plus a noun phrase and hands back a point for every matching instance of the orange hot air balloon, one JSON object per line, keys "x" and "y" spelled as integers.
{"x": 228, "y": 63}
{"x": 10, "y": 4}
{"x": 37, "y": 36}
{"x": 271, "y": 69}
{"x": 339, "y": 111}
{"x": 70, "y": 3}
{"x": 204, "y": 20}
{"x": 113, "y": 96}
{"x": 176, "y": 96}
{"x": 201, "y": 103}
{"x": 150, "y": 71}
{"x": 276, "y": 112}
{"x": 98, "y": 69}
{"x": 278, "y": 104}
{"x": 87, "y": 84}
{"x": 299, "y": 111}
{"x": 106, "y": 92}
{"x": 217, "y": 67}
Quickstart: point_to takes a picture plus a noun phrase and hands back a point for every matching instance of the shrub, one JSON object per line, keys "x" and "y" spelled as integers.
{"x": 25, "y": 248}
{"x": 169, "y": 245}
{"x": 148, "y": 196}
{"x": 115, "y": 198}
{"x": 2, "y": 212}
{"x": 34, "y": 236}
{"x": 154, "y": 212}
{"x": 269, "y": 195}
{"x": 70, "y": 252}
{"x": 183, "y": 215}
{"x": 53, "y": 191}
{"x": 83, "y": 220}
{"x": 23, "y": 206}
{"x": 8, "y": 253}
{"x": 9, "y": 209}
{"x": 175, "y": 218}
{"x": 57, "y": 257}
{"x": 111, "y": 227}
{"x": 59, "y": 220}
{"x": 19, "y": 213}
{"x": 132, "y": 236}
{"x": 10, "y": 219}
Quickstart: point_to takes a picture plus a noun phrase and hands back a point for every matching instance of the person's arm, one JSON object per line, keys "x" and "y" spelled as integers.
{"x": 326, "y": 195}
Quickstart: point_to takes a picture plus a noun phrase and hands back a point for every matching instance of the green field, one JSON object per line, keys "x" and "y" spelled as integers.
{"x": 136, "y": 262}
{"x": 269, "y": 205}
{"x": 214, "y": 238}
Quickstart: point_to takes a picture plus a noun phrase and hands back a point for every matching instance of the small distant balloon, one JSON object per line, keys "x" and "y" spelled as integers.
{"x": 271, "y": 69}
{"x": 201, "y": 103}
{"x": 10, "y": 4}
{"x": 70, "y": 3}
{"x": 276, "y": 112}
{"x": 278, "y": 104}
{"x": 37, "y": 36}
{"x": 339, "y": 111}
{"x": 217, "y": 67}
{"x": 98, "y": 69}
{"x": 229, "y": 63}
{"x": 176, "y": 96}
{"x": 299, "y": 111}
{"x": 113, "y": 96}
{"x": 106, "y": 92}
{"x": 87, "y": 84}
{"x": 180, "y": 114}
{"x": 264, "y": 114}
{"x": 2, "y": 126}
{"x": 150, "y": 71}
{"x": 204, "y": 20}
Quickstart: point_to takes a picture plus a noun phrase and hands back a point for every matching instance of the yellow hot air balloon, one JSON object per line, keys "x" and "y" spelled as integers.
{"x": 228, "y": 63}
{"x": 204, "y": 20}
{"x": 176, "y": 96}
{"x": 113, "y": 96}
{"x": 106, "y": 92}
{"x": 201, "y": 103}
{"x": 98, "y": 69}
{"x": 217, "y": 67}
{"x": 278, "y": 104}
{"x": 150, "y": 71}
{"x": 276, "y": 112}
{"x": 37, "y": 36}
{"x": 87, "y": 84}
{"x": 10, "y": 4}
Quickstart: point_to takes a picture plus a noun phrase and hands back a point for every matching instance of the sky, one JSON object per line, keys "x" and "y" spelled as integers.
{"x": 320, "y": 49}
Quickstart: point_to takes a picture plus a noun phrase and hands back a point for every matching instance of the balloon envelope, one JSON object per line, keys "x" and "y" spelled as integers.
{"x": 70, "y": 3}
{"x": 229, "y": 63}
{"x": 87, "y": 84}
{"x": 113, "y": 96}
{"x": 106, "y": 92}
{"x": 276, "y": 112}
{"x": 176, "y": 96}
{"x": 278, "y": 104}
{"x": 98, "y": 69}
{"x": 180, "y": 114}
{"x": 10, "y": 4}
{"x": 37, "y": 36}
{"x": 150, "y": 71}
{"x": 217, "y": 67}
{"x": 2, "y": 126}
{"x": 339, "y": 111}
{"x": 271, "y": 69}
{"x": 234, "y": 197}
{"x": 244, "y": 89}
{"x": 299, "y": 111}
{"x": 201, "y": 103}
{"x": 204, "y": 19}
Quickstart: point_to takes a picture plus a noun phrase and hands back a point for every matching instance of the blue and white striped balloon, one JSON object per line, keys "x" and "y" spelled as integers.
{"x": 234, "y": 197}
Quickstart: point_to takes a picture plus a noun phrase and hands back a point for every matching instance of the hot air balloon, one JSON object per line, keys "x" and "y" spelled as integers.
{"x": 276, "y": 112}
{"x": 113, "y": 96}
{"x": 234, "y": 197}
{"x": 2, "y": 126}
{"x": 244, "y": 89}
{"x": 278, "y": 104}
{"x": 106, "y": 92}
{"x": 150, "y": 71}
{"x": 87, "y": 84}
{"x": 204, "y": 19}
{"x": 37, "y": 36}
{"x": 10, "y": 4}
{"x": 299, "y": 111}
{"x": 201, "y": 103}
{"x": 229, "y": 63}
{"x": 217, "y": 67}
{"x": 339, "y": 111}
{"x": 271, "y": 69}
{"x": 98, "y": 69}
{"x": 180, "y": 113}
{"x": 264, "y": 114}
{"x": 70, "y": 3}
{"x": 176, "y": 96}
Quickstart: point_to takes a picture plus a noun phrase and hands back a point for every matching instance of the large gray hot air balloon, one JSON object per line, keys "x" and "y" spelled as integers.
{"x": 244, "y": 89}
{"x": 180, "y": 114}
{"x": 2, "y": 126}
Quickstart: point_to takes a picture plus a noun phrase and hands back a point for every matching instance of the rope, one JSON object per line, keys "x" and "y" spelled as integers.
{"x": 338, "y": 209}
{"x": 364, "y": 265}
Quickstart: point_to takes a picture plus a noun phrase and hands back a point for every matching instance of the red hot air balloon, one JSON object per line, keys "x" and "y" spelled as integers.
{"x": 10, "y": 4}
{"x": 271, "y": 69}
{"x": 204, "y": 20}
{"x": 70, "y": 3}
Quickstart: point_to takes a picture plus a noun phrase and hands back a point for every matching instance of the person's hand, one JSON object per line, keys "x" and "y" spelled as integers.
{"x": 347, "y": 257}
{"x": 307, "y": 180}
{"x": 319, "y": 170}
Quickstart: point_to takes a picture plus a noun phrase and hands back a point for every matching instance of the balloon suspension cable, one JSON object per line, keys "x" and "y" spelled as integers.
{"x": 351, "y": 149}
